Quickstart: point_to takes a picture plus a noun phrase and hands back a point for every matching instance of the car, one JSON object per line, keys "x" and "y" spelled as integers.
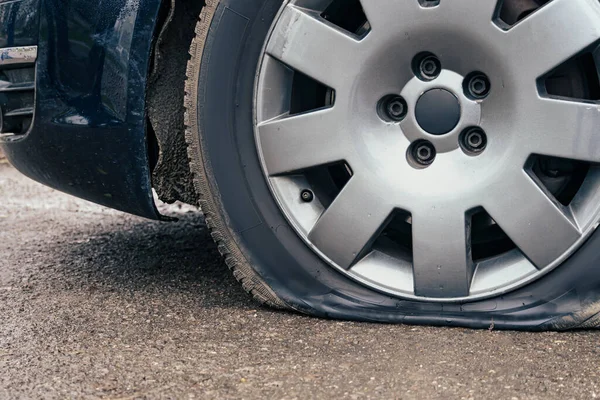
{"x": 402, "y": 161}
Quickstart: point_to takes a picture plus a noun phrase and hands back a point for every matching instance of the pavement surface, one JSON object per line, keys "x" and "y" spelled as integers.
{"x": 101, "y": 305}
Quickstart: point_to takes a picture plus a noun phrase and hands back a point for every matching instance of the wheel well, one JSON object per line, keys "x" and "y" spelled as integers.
{"x": 171, "y": 177}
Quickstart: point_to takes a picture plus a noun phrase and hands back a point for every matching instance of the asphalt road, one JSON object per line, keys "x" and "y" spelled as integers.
{"x": 98, "y": 304}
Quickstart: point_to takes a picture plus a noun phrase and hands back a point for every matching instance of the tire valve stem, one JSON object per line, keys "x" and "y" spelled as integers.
{"x": 307, "y": 196}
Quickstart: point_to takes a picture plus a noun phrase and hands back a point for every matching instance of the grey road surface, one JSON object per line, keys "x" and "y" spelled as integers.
{"x": 98, "y": 304}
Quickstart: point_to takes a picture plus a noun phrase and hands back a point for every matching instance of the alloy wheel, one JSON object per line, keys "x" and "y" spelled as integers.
{"x": 430, "y": 149}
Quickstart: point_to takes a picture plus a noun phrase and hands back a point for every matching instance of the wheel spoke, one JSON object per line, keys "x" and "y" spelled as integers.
{"x": 480, "y": 12}
{"x": 386, "y": 14}
{"x": 537, "y": 225}
{"x": 562, "y": 129}
{"x": 441, "y": 261}
{"x": 552, "y": 35}
{"x": 295, "y": 143}
{"x": 383, "y": 13}
{"x": 348, "y": 227}
{"x": 309, "y": 44}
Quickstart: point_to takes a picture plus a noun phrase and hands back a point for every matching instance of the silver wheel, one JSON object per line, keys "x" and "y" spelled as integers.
{"x": 404, "y": 145}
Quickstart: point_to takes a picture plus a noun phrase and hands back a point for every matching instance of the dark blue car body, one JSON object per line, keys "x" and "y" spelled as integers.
{"x": 86, "y": 132}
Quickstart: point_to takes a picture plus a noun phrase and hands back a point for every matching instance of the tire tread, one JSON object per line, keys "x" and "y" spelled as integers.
{"x": 216, "y": 222}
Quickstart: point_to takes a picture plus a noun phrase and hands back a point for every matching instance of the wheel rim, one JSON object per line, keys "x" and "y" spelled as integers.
{"x": 424, "y": 168}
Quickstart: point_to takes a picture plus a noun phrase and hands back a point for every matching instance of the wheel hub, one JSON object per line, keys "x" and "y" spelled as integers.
{"x": 459, "y": 95}
{"x": 437, "y": 111}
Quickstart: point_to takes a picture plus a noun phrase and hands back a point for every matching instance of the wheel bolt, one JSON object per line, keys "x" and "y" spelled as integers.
{"x": 423, "y": 152}
{"x": 430, "y": 67}
{"x": 474, "y": 140}
{"x": 307, "y": 196}
{"x": 395, "y": 108}
{"x": 478, "y": 86}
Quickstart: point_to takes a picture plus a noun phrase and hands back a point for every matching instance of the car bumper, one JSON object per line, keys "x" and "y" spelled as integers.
{"x": 72, "y": 97}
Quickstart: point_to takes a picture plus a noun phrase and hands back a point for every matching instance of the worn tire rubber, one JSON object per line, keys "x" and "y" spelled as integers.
{"x": 272, "y": 263}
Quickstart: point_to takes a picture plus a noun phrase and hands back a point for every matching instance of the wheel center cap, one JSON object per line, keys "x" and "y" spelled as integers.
{"x": 438, "y": 111}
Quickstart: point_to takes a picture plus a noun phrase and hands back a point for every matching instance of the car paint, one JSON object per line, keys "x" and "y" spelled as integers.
{"x": 88, "y": 137}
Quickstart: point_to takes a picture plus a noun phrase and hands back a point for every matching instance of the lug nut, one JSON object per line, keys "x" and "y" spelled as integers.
{"x": 478, "y": 86}
{"x": 307, "y": 196}
{"x": 430, "y": 67}
{"x": 393, "y": 108}
{"x": 474, "y": 140}
{"x": 423, "y": 152}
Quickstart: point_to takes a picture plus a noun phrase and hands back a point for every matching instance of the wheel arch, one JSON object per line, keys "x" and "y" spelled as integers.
{"x": 171, "y": 177}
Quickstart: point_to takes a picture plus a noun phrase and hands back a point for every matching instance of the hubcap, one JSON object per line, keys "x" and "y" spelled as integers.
{"x": 427, "y": 165}
{"x": 437, "y": 111}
